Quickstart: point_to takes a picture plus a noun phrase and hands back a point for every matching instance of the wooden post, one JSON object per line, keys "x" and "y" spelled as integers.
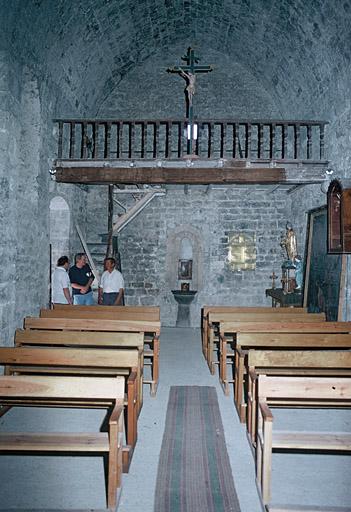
{"x": 309, "y": 141}
{"x": 107, "y": 139}
{"x": 272, "y": 144}
{"x": 297, "y": 142}
{"x": 72, "y": 140}
{"x": 84, "y": 141}
{"x": 321, "y": 142}
{"x": 59, "y": 152}
{"x": 144, "y": 140}
{"x": 248, "y": 141}
{"x": 96, "y": 139}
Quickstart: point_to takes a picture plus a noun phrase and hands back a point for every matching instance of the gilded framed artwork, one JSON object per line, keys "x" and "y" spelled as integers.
{"x": 242, "y": 251}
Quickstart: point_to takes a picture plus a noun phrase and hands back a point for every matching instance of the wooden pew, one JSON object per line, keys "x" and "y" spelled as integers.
{"x": 323, "y": 363}
{"x": 283, "y": 314}
{"x": 252, "y": 317}
{"x": 333, "y": 390}
{"x": 85, "y": 362}
{"x": 28, "y": 390}
{"x": 125, "y": 313}
{"x": 89, "y": 339}
{"x": 235, "y": 309}
{"x": 148, "y": 313}
{"x": 107, "y": 325}
{"x": 229, "y": 332}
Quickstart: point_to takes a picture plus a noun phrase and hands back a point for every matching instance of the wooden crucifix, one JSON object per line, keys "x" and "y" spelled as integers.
{"x": 188, "y": 72}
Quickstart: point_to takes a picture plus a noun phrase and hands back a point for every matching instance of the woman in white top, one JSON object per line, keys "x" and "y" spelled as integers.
{"x": 111, "y": 285}
{"x": 60, "y": 282}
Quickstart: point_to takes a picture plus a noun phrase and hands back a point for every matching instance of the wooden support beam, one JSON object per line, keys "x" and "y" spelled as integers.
{"x": 170, "y": 175}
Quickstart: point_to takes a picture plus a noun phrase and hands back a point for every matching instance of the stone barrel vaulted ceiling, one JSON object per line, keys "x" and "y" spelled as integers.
{"x": 293, "y": 48}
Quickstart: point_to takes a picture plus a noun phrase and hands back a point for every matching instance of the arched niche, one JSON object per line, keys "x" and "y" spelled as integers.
{"x": 184, "y": 243}
{"x": 60, "y": 218}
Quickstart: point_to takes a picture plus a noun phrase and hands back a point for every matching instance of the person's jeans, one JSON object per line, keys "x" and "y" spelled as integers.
{"x": 109, "y": 299}
{"x": 83, "y": 300}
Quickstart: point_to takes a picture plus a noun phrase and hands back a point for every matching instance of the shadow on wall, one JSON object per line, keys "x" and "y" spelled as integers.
{"x": 59, "y": 228}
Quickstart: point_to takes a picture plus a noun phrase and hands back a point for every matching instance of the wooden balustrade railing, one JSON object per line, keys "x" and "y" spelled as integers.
{"x": 296, "y": 141}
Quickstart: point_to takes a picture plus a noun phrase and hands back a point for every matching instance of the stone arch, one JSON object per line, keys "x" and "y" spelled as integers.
{"x": 174, "y": 250}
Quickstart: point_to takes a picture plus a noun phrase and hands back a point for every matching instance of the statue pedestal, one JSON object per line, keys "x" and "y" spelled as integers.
{"x": 184, "y": 299}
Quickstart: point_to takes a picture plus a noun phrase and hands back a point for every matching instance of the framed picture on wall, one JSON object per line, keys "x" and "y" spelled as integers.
{"x": 185, "y": 269}
{"x": 324, "y": 273}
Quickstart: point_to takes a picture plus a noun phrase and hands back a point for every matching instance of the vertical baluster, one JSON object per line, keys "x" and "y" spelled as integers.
{"x": 96, "y": 140}
{"x": 285, "y": 141}
{"x": 200, "y": 128}
{"x": 223, "y": 139}
{"x": 72, "y": 141}
{"x": 144, "y": 140}
{"x": 131, "y": 139}
{"x": 107, "y": 140}
{"x": 272, "y": 142}
{"x": 210, "y": 139}
{"x": 60, "y": 137}
{"x": 156, "y": 139}
{"x": 321, "y": 142}
{"x": 110, "y": 208}
{"x": 180, "y": 138}
{"x": 83, "y": 152}
{"x": 309, "y": 141}
{"x": 168, "y": 152}
{"x": 235, "y": 139}
{"x": 297, "y": 142}
{"x": 121, "y": 127}
{"x": 118, "y": 137}
{"x": 248, "y": 142}
{"x": 260, "y": 141}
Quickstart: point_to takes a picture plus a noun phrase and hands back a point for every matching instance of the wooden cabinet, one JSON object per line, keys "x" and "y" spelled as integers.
{"x": 339, "y": 216}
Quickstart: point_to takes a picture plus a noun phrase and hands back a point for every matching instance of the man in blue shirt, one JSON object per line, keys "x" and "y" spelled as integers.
{"x": 81, "y": 278}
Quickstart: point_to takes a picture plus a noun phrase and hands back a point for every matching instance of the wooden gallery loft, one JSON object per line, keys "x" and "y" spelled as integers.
{"x": 156, "y": 152}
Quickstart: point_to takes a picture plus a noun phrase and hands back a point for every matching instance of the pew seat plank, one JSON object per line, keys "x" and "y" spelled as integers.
{"x": 336, "y": 441}
{"x": 55, "y": 442}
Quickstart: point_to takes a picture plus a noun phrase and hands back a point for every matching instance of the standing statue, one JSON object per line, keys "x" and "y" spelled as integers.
{"x": 289, "y": 242}
{"x": 190, "y": 88}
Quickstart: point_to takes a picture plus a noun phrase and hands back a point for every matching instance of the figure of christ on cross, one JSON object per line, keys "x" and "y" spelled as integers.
{"x": 189, "y": 72}
{"x": 190, "y": 87}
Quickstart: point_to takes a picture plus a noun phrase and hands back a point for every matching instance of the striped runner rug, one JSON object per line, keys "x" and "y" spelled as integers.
{"x": 194, "y": 473}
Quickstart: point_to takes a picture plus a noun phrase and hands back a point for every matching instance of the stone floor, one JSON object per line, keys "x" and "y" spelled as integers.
{"x": 51, "y": 483}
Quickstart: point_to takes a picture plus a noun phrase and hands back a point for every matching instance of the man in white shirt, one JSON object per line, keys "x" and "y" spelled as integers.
{"x": 60, "y": 282}
{"x": 111, "y": 286}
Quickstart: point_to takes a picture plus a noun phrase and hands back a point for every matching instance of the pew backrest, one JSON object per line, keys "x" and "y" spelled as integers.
{"x": 266, "y": 317}
{"x": 323, "y": 359}
{"x": 78, "y": 338}
{"x": 293, "y": 340}
{"x": 74, "y": 388}
{"x": 106, "y": 312}
{"x": 238, "y": 309}
{"x": 152, "y": 311}
{"x": 70, "y": 357}
{"x": 304, "y": 388}
{"x": 91, "y": 324}
{"x": 285, "y": 327}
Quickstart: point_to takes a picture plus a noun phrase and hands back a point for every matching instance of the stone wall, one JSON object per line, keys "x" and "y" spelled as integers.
{"x": 229, "y": 91}
{"x": 27, "y": 148}
{"x": 207, "y": 217}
